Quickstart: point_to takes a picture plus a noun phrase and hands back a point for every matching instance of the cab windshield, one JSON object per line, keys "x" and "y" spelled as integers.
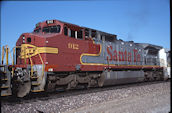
{"x": 51, "y": 29}
{"x": 37, "y": 30}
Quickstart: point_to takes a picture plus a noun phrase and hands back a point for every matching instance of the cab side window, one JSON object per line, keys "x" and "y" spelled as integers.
{"x": 86, "y": 33}
{"x": 93, "y": 34}
{"x": 69, "y": 32}
{"x": 73, "y": 33}
{"x": 79, "y": 34}
{"x": 65, "y": 31}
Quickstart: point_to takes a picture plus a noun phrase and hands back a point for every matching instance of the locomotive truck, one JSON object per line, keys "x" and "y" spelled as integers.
{"x": 61, "y": 55}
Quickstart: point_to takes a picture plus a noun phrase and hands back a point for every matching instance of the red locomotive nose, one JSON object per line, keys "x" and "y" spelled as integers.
{"x": 25, "y": 38}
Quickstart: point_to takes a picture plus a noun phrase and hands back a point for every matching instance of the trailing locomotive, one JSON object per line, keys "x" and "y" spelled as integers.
{"x": 63, "y": 55}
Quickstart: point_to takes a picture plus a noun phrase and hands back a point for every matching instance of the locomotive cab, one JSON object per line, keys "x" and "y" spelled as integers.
{"x": 50, "y": 26}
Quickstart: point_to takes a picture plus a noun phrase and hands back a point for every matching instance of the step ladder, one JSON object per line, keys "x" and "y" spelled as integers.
{"x": 36, "y": 81}
{"x": 35, "y": 84}
{"x": 5, "y": 78}
{"x": 5, "y": 74}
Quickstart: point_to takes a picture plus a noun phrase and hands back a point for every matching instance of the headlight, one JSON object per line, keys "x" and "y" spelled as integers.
{"x": 23, "y": 39}
{"x": 50, "y": 69}
{"x": 50, "y": 21}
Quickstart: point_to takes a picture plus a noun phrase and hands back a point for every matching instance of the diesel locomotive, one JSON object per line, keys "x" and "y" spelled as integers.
{"x": 60, "y": 55}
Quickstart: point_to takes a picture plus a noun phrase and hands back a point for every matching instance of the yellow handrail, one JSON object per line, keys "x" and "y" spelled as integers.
{"x": 14, "y": 49}
{"x": 42, "y": 66}
{"x": 10, "y": 53}
{"x": 6, "y": 49}
{"x": 2, "y": 61}
{"x": 13, "y": 55}
{"x": 31, "y": 64}
{"x": 25, "y": 58}
{"x": 25, "y": 55}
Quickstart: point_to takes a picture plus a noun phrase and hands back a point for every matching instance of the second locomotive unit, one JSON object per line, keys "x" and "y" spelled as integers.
{"x": 63, "y": 55}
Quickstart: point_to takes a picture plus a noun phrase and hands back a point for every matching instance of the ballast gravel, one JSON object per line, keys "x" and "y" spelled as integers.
{"x": 95, "y": 100}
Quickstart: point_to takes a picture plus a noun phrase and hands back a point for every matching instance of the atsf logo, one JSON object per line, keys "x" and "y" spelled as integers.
{"x": 115, "y": 55}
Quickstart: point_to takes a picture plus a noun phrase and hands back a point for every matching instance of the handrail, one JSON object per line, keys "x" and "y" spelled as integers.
{"x": 2, "y": 55}
{"x": 25, "y": 55}
{"x": 25, "y": 48}
{"x": 13, "y": 62}
{"x": 10, "y": 53}
{"x": 31, "y": 64}
{"x": 25, "y": 58}
{"x": 13, "y": 55}
{"x": 42, "y": 66}
{"x": 14, "y": 50}
{"x": 6, "y": 49}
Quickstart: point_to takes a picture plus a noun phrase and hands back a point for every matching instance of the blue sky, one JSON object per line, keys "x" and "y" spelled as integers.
{"x": 143, "y": 21}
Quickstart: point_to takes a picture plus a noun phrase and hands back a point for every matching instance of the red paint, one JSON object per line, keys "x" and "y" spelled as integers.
{"x": 115, "y": 56}
{"x": 108, "y": 51}
{"x": 121, "y": 56}
{"x": 125, "y": 54}
{"x": 129, "y": 56}
{"x": 135, "y": 57}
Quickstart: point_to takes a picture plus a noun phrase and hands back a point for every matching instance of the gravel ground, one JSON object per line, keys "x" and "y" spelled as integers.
{"x": 120, "y": 99}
